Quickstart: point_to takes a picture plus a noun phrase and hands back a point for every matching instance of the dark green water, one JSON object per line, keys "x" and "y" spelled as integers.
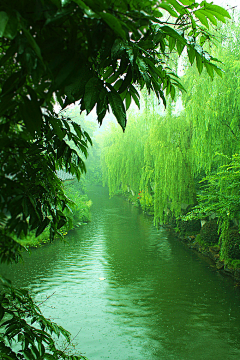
{"x": 132, "y": 292}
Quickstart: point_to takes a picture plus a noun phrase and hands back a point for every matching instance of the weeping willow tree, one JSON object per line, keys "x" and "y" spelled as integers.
{"x": 123, "y": 156}
{"x": 168, "y": 148}
{"x": 213, "y": 107}
{"x": 166, "y": 155}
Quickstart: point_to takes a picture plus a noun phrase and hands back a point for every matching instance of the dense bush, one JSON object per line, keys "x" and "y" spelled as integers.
{"x": 209, "y": 232}
{"x": 232, "y": 244}
{"x": 80, "y": 208}
{"x": 190, "y": 226}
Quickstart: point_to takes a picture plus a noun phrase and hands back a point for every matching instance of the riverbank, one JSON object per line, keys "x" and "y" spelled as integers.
{"x": 230, "y": 268}
{"x": 31, "y": 241}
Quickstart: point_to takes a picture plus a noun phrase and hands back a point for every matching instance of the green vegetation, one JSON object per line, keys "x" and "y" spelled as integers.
{"x": 209, "y": 233}
{"x": 25, "y": 327}
{"x": 98, "y": 53}
{"x": 78, "y": 214}
{"x": 187, "y": 161}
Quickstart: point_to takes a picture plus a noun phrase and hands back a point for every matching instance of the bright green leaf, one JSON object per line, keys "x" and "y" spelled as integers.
{"x": 201, "y": 16}
{"x": 169, "y": 9}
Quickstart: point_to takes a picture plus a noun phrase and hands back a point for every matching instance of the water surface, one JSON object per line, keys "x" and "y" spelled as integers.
{"x": 128, "y": 291}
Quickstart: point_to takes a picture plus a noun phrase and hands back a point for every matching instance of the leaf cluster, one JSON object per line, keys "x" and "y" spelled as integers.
{"x": 22, "y": 322}
{"x": 220, "y": 193}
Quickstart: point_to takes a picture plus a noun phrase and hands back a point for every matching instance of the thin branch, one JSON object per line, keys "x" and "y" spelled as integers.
{"x": 72, "y": 340}
{"x": 46, "y": 298}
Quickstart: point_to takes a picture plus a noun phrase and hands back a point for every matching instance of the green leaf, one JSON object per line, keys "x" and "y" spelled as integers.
{"x": 199, "y": 61}
{"x": 216, "y": 9}
{"x": 88, "y": 137}
{"x": 81, "y": 4}
{"x": 209, "y": 68}
{"x": 57, "y": 3}
{"x": 78, "y": 130}
{"x": 191, "y": 54}
{"x": 33, "y": 43}
{"x": 3, "y": 22}
{"x": 173, "y": 92}
{"x": 128, "y": 100}
{"x": 107, "y": 73}
{"x": 64, "y": 73}
{"x": 172, "y": 42}
{"x": 43, "y": 226}
{"x": 12, "y": 83}
{"x": 217, "y": 70}
{"x": 173, "y": 33}
{"x": 101, "y": 109}
{"x": 117, "y": 106}
{"x": 211, "y": 17}
{"x": 28, "y": 355}
{"x": 201, "y": 16}
{"x": 168, "y": 8}
{"x": 180, "y": 47}
{"x": 6, "y": 103}
{"x": 178, "y": 7}
{"x": 113, "y": 78}
{"x": 61, "y": 149}
{"x": 127, "y": 81}
{"x": 217, "y": 15}
{"x": 186, "y": 2}
{"x": 135, "y": 95}
{"x": 2, "y": 311}
{"x": 8, "y": 25}
{"x": 91, "y": 93}
{"x": 48, "y": 356}
{"x": 31, "y": 115}
{"x": 57, "y": 126}
{"x": 113, "y": 23}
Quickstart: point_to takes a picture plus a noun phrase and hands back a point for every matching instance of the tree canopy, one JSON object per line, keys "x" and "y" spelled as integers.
{"x": 186, "y": 160}
{"x": 99, "y": 53}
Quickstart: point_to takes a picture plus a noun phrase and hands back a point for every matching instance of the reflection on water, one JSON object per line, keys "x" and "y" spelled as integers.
{"x": 132, "y": 291}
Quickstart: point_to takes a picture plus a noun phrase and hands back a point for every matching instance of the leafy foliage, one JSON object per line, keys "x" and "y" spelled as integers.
{"x": 99, "y": 53}
{"x": 32, "y": 196}
{"x": 80, "y": 209}
{"x": 232, "y": 244}
{"x": 179, "y": 149}
{"x": 24, "y": 332}
{"x": 220, "y": 195}
{"x": 189, "y": 227}
{"x": 209, "y": 233}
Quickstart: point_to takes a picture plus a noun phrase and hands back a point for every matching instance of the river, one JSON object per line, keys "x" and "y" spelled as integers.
{"x": 128, "y": 291}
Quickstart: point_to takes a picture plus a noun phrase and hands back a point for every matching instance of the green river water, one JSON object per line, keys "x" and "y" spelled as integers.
{"x": 128, "y": 291}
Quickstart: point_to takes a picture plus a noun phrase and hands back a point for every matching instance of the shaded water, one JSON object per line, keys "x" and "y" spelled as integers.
{"x": 132, "y": 292}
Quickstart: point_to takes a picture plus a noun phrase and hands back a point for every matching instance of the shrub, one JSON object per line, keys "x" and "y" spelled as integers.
{"x": 190, "y": 226}
{"x": 209, "y": 232}
{"x": 232, "y": 244}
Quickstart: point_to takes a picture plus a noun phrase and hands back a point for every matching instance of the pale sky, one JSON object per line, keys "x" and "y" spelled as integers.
{"x": 227, "y": 3}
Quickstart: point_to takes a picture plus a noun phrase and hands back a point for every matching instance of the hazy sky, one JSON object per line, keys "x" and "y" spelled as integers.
{"x": 227, "y": 3}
